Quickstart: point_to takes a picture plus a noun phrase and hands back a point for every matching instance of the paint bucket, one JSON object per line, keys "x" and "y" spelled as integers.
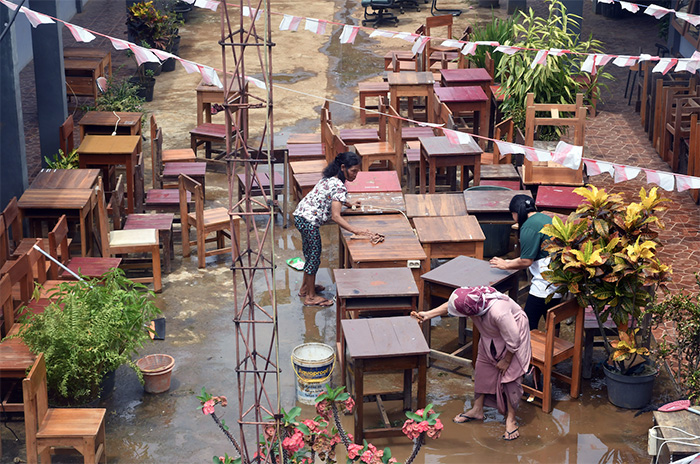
{"x": 157, "y": 370}
{"x": 313, "y": 365}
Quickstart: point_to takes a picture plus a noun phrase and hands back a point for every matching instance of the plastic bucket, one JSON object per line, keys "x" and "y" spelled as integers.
{"x": 313, "y": 365}
{"x": 497, "y": 235}
{"x": 157, "y": 370}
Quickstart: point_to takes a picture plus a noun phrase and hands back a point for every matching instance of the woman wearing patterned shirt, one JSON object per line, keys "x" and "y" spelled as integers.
{"x": 322, "y": 203}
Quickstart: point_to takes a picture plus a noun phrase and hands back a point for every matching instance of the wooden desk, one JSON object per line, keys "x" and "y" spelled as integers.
{"x": 499, "y": 172}
{"x": 15, "y": 359}
{"x": 463, "y": 271}
{"x": 461, "y": 100}
{"x": 400, "y": 244}
{"x": 302, "y": 184}
{"x": 112, "y": 150}
{"x": 491, "y": 206}
{"x": 104, "y": 122}
{"x": 39, "y": 204}
{"x": 439, "y": 152}
{"x": 466, "y": 78}
{"x": 376, "y": 203}
{"x": 684, "y": 420}
{"x": 206, "y": 96}
{"x": 426, "y": 205}
{"x": 81, "y": 76}
{"x": 389, "y": 290}
{"x": 449, "y": 237}
{"x": 384, "y": 345}
{"x": 374, "y": 181}
{"x": 558, "y": 199}
{"x": 65, "y": 179}
{"x": 105, "y": 57}
{"x": 411, "y": 84}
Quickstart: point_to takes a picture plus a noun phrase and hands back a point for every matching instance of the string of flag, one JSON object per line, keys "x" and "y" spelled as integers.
{"x": 567, "y": 155}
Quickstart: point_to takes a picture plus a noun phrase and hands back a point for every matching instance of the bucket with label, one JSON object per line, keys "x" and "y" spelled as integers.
{"x": 313, "y": 365}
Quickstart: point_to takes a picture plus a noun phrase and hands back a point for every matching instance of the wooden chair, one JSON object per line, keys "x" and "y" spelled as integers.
{"x": 82, "y": 429}
{"x": 666, "y": 99}
{"x": 367, "y": 90}
{"x": 205, "y": 222}
{"x": 65, "y": 135}
{"x": 503, "y": 131}
{"x": 158, "y": 200}
{"x": 438, "y": 53}
{"x": 4, "y": 243}
{"x": 119, "y": 242}
{"x": 384, "y": 150}
{"x": 13, "y": 227}
{"x": 351, "y": 136}
{"x": 7, "y": 305}
{"x": 165, "y": 175}
{"x": 167, "y": 156}
{"x": 694, "y": 154}
{"x": 677, "y": 128}
{"x": 549, "y": 350}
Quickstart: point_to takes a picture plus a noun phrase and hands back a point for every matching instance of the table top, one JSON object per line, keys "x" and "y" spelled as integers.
{"x": 441, "y": 146}
{"x": 162, "y": 221}
{"x": 374, "y": 181}
{"x": 36, "y": 198}
{"x": 308, "y": 167}
{"x": 439, "y": 229}
{"x": 373, "y": 283}
{"x": 550, "y": 196}
{"x": 684, "y": 420}
{"x": 491, "y": 201}
{"x": 189, "y": 169}
{"x": 84, "y": 52}
{"x": 109, "y": 144}
{"x": 309, "y": 179}
{"x": 15, "y": 358}
{"x": 381, "y": 337}
{"x": 499, "y": 171}
{"x": 81, "y": 64}
{"x": 435, "y": 204}
{"x": 464, "y": 271}
{"x": 410, "y": 78}
{"x": 461, "y": 94}
{"x": 472, "y": 75}
{"x": 376, "y": 203}
{"x": 107, "y": 118}
{"x": 202, "y": 87}
{"x": 65, "y": 179}
{"x": 400, "y": 243}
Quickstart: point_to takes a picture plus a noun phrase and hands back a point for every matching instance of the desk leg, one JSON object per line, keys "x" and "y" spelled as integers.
{"x": 359, "y": 402}
{"x": 421, "y": 173}
{"x": 83, "y": 235}
{"x": 422, "y": 380}
{"x": 407, "y": 389}
{"x": 588, "y": 353}
{"x": 477, "y": 170}
{"x": 432, "y": 172}
{"x": 130, "y": 185}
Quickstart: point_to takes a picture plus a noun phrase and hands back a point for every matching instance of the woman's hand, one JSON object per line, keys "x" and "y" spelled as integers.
{"x": 363, "y": 232}
{"x": 504, "y": 363}
{"x": 421, "y": 316}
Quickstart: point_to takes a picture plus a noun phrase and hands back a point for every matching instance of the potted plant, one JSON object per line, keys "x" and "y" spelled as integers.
{"x": 151, "y": 27}
{"x": 121, "y": 94}
{"x": 89, "y": 329}
{"x": 605, "y": 255}
{"x": 63, "y": 161}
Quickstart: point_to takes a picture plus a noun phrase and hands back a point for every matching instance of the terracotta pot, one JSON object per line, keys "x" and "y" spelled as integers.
{"x": 157, "y": 370}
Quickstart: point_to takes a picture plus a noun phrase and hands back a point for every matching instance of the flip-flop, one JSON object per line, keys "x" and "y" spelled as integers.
{"x": 466, "y": 419}
{"x": 508, "y": 436}
{"x": 324, "y": 303}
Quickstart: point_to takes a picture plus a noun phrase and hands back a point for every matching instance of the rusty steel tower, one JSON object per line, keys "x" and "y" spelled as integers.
{"x": 246, "y": 50}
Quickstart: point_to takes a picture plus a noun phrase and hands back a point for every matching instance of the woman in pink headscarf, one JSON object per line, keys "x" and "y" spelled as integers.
{"x": 504, "y": 350}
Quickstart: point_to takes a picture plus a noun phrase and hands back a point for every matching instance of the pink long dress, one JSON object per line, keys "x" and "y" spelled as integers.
{"x": 503, "y": 327}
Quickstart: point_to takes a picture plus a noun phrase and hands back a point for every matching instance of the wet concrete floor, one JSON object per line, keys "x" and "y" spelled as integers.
{"x": 198, "y": 304}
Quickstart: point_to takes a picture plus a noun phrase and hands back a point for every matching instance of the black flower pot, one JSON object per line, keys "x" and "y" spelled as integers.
{"x": 629, "y": 391}
{"x": 169, "y": 64}
{"x": 145, "y": 88}
{"x": 155, "y": 67}
{"x": 183, "y": 9}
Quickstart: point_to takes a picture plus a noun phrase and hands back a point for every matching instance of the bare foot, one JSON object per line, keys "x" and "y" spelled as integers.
{"x": 317, "y": 289}
{"x": 512, "y": 431}
{"x": 317, "y": 301}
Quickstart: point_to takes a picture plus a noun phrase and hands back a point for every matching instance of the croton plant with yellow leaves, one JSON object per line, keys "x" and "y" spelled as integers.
{"x": 605, "y": 255}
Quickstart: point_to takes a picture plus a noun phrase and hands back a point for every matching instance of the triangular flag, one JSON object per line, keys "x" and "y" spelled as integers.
{"x": 317, "y": 26}
{"x": 208, "y": 4}
{"x": 256, "y": 82}
{"x": 507, "y": 49}
{"x": 645, "y": 57}
{"x": 451, "y": 43}
{"x": 407, "y": 36}
{"x": 35, "y": 18}
{"x": 189, "y": 66}
{"x": 290, "y": 23}
{"x": 656, "y": 11}
{"x": 469, "y": 48}
{"x": 381, "y": 33}
{"x": 80, "y": 34}
{"x": 487, "y": 42}
{"x": 458, "y": 138}
{"x": 594, "y": 168}
{"x": 632, "y": 7}
{"x": 609, "y": 2}
{"x": 691, "y": 18}
{"x": 558, "y": 51}
{"x": 507, "y": 148}
{"x": 568, "y": 155}
{"x": 248, "y": 12}
{"x": 209, "y": 76}
{"x": 664, "y": 65}
{"x": 624, "y": 61}
{"x": 688, "y": 65}
{"x": 687, "y": 182}
{"x": 623, "y": 173}
{"x": 536, "y": 155}
{"x": 540, "y": 58}
{"x": 10, "y": 5}
{"x": 349, "y": 34}
{"x": 664, "y": 180}
{"x": 143, "y": 55}
{"x": 419, "y": 45}
{"x": 119, "y": 44}
{"x": 162, "y": 54}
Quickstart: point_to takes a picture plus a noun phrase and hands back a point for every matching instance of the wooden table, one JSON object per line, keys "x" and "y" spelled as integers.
{"x": 492, "y": 206}
{"x": 684, "y": 420}
{"x": 426, "y": 205}
{"x": 65, "y": 179}
{"x": 208, "y": 94}
{"x": 105, "y": 57}
{"x": 388, "y": 290}
{"x": 374, "y": 181}
{"x": 37, "y": 204}
{"x": 400, "y": 247}
{"x": 461, "y": 100}
{"x": 81, "y": 76}
{"x": 112, "y": 150}
{"x": 411, "y": 84}
{"x": 302, "y": 184}
{"x": 463, "y": 271}
{"x": 376, "y": 203}
{"x": 15, "y": 359}
{"x": 558, "y": 199}
{"x": 105, "y": 122}
{"x": 466, "y": 78}
{"x": 383, "y": 345}
{"x": 449, "y": 237}
{"x": 439, "y": 152}
{"x": 499, "y": 172}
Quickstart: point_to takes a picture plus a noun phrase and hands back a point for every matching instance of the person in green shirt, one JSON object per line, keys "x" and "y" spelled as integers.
{"x": 532, "y": 256}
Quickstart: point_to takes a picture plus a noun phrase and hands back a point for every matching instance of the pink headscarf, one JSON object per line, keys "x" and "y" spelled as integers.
{"x": 473, "y": 301}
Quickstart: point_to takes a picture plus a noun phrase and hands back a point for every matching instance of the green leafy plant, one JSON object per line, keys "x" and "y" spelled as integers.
{"x": 89, "y": 329}
{"x": 61, "y": 161}
{"x": 120, "y": 95}
{"x": 499, "y": 30}
{"x": 148, "y": 24}
{"x": 605, "y": 255}
{"x": 555, "y": 81}
{"x": 681, "y": 348}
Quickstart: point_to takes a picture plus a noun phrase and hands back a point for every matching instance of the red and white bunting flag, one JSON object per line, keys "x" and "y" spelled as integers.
{"x": 349, "y": 34}
{"x": 558, "y": 51}
{"x": 407, "y": 36}
{"x": 487, "y": 42}
{"x": 80, "y": 34}
{"x": 625, "y": 61}
{"x": 645, "y": 57}
{"x": 623, "y": 173}
{"x": 189, "y": 1}
{"x": 591, "y": 62}
{"x": 458, "y": 138}
{"x": 256, "y": 82}
{"x": 249, "y": 12}
{"x": 290, "y": 23}
{"x": 594, "y": 168}
{"x": 119, "y": 44}
{"x": 162, "y": 54}
{"x": 10, "y": 5}
{"x": 143, "y": 55}
{"x": 451, "y": 43}
{"x": 317, "y": 26}
{"x": 535, "y": 155}
{"x": 189, "y": 66}
{"x": 427, "y": 124}
{"x": 691, "y": 18}
{"x": 469, "y": 48}
{"x": 665, "y": 65}
{"x": 35, "y": 18}
{"x": 209, "y": 76}
{"x": 208, "y": 4}
{"x": 568, "y": 155}
{"x": 603, "y": 59}
{"x": 687, "y": 182}
{"x": 507, "y": 49}
{"x": 631, "y": 7}
{"x": 540, "y": 58}
{"x": 419, "y": 45}
{"x": 656, "y": 11}
{"x": 664, "y": 180}
{"x": 381, "y": 33}
{"x": 688, "y": 65}
{"x": 610, "y": 2}
{"x": 510, "y": 148}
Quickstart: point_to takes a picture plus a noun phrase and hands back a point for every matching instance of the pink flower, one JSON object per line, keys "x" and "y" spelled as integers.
{"x": 420, "y": 412}
{"x": 208, "y": 407}
{"x": 349, "y": 404}
{"x": 323, "y": 409}
{"x": 222, "y": 459}
{"x": 423, "y": 426}
{"x": 312, "y": 425}
{"x": 353, "y": 449}
{"x": 366, "y": 457}
{"x": 392, "y": 460}
{"x": 293, "y": 443}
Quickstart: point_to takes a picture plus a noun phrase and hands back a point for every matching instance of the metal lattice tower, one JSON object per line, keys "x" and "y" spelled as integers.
{"x": 245, "y": 48}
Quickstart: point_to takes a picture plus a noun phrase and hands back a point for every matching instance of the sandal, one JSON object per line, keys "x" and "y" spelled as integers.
{"x": 320, "y": 302}
{"x": 464, "y": 418}
{"x": 508, "y": 436}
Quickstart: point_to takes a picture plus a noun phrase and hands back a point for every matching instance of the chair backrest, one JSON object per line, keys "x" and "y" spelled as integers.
{"x": 8, "y": 307}
{"x": 13, "y": 224}
{"x": 339, "y": 146}
{"x": 116, "y": 203}
{"x": 187, "y": 184}
{"x": 694, "y": 153}
{"x": 4, "y": 242}
{"x": 394, "y": 137}
{"x": 432, "y": 23}
{"x": 503, "y": 131}
{"x": 37, "y": 262}
{"x": 154, "y": 127}
{"x": 58, "y": 239}
{"x": 102, "y": 221}
{"x": 36, "y": 404}
{"x": 20, "y": 273}
{"x": 139, "y": 185}
{"x": 157, "y": 160}
{"x": 65, "y": 135}
{"x": 327, "y": 137}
